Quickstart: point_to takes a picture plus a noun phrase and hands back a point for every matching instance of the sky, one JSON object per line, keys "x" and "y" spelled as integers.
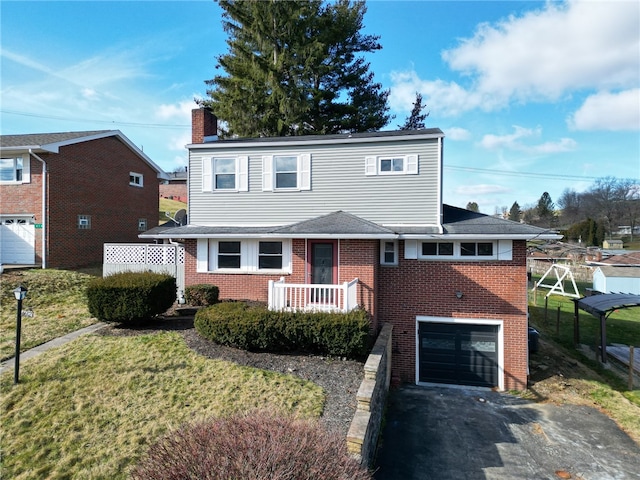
{"x": 532, "y": 96}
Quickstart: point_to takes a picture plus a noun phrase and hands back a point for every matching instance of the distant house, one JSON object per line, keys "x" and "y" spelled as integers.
{"x": 617, "y": 280}
{"x": 63, "y": 195}
{"x": 613, "y": 244}
{"x": 175, "y": 186}
{"x": 337, "y": 222}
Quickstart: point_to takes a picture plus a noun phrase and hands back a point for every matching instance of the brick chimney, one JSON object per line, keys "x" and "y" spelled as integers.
{"x": 204, "y": 125}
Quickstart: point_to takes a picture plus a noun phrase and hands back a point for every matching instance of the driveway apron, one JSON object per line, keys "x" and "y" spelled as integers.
{"x": 461, "y": 433}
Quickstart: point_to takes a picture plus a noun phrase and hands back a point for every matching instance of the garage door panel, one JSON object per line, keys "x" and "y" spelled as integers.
{"x": 454, "y": 353}
{"x": 17, "y": 242}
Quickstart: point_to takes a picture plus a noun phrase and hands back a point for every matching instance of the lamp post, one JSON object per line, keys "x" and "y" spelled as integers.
{"x": 19, "y": 293}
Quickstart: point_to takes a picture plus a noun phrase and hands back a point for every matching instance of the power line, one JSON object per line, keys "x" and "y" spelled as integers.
{"x": 93, "y": 120}
{"x": 520, "y": 174}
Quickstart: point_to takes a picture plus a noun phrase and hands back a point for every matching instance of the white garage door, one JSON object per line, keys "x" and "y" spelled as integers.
{"x": 17, "y": 242}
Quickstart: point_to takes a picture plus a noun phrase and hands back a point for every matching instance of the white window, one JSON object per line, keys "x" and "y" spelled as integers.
{"x": 244, "y": 256}
{"x": 459, "y": 250}
{"x": 142, "y": 224}
{"x": 388, "y": 252}
{"x": 84, "y": 222}
{"x": 135, "y": 179}
{"x": 286, "y": 172}
{"x": 225, "y": 174}
{"x": 391, "y": 165}
{"x": 14, "y": 170}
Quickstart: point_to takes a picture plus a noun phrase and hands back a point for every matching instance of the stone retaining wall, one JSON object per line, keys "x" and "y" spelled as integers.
{"x": 372, "y": 395}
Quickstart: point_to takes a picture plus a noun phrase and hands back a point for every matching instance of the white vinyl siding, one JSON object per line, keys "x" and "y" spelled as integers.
{"x": 336, "y": 181}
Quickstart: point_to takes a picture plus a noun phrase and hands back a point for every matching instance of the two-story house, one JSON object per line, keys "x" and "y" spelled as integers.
{"x": 62, "y": 195}
{"x": 339, "y": 221}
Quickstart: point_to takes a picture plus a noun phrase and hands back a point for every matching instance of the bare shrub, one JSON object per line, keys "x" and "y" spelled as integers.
{"x": 254, "y": 446}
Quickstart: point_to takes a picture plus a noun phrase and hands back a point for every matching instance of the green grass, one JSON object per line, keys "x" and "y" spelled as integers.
{"x": 610, "y": 391}
{"x": 623, "y": 326}
{"x": 171, "y": 206}
{"x": 90, "y": 409}
{"x": 57, "y": 300}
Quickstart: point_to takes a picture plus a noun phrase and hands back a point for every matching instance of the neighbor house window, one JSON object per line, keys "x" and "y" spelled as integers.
{"x": 228, "y": 254}
{"x": 225, "y": 174}
{"x": 135, "y": 179}
{"x": 270, "y": 255}
{"x": 142, "y": 224}
{"x": 388, "y": 252}
{"x": 14, "y": 170}
{"x": 286, "y": 172}
{"x": 84, "y": 222}
{"x": 391, "y": 165}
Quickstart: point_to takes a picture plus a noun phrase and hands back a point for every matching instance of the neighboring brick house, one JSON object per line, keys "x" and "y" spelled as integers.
{"x": 175, "y": 186}
{"x": 98, "y": 187}
{"x": 337, "y": 221}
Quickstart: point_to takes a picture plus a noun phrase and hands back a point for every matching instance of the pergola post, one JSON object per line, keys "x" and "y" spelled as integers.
{"x": 576, "y": 324}
{"x": 603, "y": 338}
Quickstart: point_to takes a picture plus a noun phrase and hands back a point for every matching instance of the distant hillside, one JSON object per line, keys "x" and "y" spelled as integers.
{"x": 171, "y": 206}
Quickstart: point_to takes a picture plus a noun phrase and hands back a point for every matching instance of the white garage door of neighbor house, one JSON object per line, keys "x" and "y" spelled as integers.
{"x": 17, "y": 242}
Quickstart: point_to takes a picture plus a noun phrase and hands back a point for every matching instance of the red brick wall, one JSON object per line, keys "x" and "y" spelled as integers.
{"x": 492, "y": 290}
{"x": 88, "y": 178}
{"x": 175, "y": 191}
{"x": 203, "y": 124}
{"x": 358, "y": 258}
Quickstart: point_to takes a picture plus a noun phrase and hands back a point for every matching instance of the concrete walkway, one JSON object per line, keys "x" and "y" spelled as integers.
{"x": 9, "y": 365}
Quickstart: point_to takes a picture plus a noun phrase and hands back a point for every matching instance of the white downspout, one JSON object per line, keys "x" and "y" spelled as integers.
{"x": 44, "y": 207}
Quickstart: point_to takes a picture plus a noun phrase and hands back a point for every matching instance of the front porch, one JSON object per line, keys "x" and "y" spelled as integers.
{"x": 301, "y": 297}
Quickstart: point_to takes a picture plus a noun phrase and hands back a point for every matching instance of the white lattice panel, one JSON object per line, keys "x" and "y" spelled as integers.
{"x": 133, "y": 254}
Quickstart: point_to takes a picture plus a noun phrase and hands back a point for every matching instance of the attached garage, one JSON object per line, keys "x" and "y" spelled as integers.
{"x": 460, "y": 352}
{"x": 17, "y": 240}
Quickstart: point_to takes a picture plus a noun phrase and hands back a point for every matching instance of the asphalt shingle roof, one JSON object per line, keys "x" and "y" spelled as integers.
{"x": 457, "y": 221}
{"x": 37, "y": 139}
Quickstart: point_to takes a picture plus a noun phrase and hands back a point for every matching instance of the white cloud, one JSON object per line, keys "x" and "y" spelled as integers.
{"x": 176, "y": 112}
{"x": 545, "y": 53}
{"x": 480, "y": 189}
{"x": 457, "y": 133}
{"x": 516, "y": 141}
{"x": 542, "y": 55}
{"x": 608, "y": 111}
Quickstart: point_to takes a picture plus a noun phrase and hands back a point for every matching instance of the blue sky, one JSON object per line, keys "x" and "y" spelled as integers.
{"x": 532, "y": 96}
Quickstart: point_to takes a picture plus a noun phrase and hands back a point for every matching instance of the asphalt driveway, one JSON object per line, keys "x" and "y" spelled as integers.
{"x": 459, "y": 433}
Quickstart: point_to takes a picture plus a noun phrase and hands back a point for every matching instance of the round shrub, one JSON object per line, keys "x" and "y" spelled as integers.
{"x": 130, "y": 297}
{"x": 201, "y": 295}
{"x": 258, "y": 445}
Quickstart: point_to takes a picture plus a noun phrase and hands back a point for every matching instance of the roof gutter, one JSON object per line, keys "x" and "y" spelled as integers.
{"x": 44, "y": 207}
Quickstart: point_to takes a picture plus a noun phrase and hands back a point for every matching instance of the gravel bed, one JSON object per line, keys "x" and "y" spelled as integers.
{"x": 339, "y": 378}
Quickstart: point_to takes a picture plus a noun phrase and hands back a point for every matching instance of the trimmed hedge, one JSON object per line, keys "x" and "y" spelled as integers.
{"x": 130, "y": 297}
{"x": 201, "y": 295}
{"x": 255, "y": 445}
{"x": 256, "y": 328}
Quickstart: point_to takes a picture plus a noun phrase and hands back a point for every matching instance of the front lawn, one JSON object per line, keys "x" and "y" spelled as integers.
{"x": 91, "y": 408}
{"x": 55, "y": 298}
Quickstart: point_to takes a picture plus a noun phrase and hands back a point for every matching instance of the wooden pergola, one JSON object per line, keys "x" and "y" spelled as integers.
{"x": 601, "y": 306}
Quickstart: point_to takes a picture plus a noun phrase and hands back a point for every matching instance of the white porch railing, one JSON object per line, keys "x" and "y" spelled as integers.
{"x": 313, "y": 297}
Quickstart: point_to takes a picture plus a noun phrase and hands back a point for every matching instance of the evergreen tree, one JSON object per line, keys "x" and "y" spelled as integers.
{"x": 415, "y": 121}
{"x": 294, "y": 67}
{"x": 546, "y": 209}
{"x": 515, "y": 213}
{"x": 473, "y": 206}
